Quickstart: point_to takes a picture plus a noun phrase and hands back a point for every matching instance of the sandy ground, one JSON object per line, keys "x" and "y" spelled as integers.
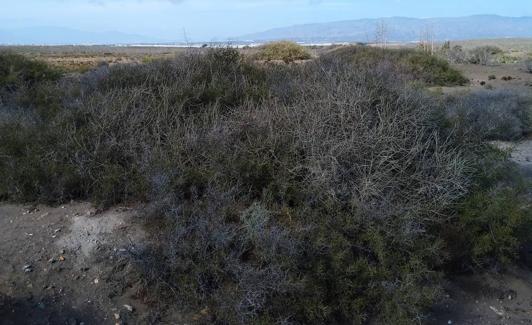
{"x": 68, "y": 265}
{"x": 487, "y": 299}
{"x": 479, "y": 77}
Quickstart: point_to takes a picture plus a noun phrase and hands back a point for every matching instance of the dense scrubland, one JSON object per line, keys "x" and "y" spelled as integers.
{"x": 339, "y": 190}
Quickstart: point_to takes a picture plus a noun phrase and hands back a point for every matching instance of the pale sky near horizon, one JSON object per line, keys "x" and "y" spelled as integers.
{"x": 206, "y": 20}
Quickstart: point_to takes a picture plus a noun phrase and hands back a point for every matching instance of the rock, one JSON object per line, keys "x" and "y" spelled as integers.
{"x": 117, "y": 316}
{"x": 129, "y": 308}
{"x": 496, "y": 311}
{"x": 61, "y": 258}
{"x": 96, "y": 281}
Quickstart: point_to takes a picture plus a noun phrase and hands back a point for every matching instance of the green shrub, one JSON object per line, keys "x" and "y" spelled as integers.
{"x": 283, "y": 51}
{"x": 418, "y": 65}
{"x": 494, "y": 220}
{"x": 17, "y": 71}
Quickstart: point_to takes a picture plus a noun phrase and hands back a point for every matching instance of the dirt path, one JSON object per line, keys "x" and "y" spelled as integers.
{"x": 68, "y": 265}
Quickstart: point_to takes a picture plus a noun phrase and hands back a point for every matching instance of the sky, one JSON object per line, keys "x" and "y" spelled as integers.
{"x": 219, "y": 20}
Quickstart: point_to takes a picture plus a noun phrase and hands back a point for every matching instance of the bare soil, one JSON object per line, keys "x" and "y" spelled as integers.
{"x": 69, "y": 265}
{"x": 507, "y": 76}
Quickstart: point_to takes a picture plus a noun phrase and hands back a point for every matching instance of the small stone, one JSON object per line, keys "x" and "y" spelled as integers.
{"x": 129, "y": 308}
{"x": 496, "y": 311}
{"x": 117, "y": 316}
{"x": 96, "y": 281}
{"x": 27, "y": 268}
{"x": 61, "y": 258}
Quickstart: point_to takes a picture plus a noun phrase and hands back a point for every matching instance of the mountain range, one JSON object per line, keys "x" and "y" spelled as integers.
{"x": 60, "y": 36}
{"x": 397, "y": 29}
{"x": 401, "y": 29}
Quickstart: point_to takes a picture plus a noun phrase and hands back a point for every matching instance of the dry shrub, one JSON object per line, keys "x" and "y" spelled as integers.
{"x": 311, "y": 193}
{"x": 528, "y": 65}
{"x": 492, "y": 115}
{"x": 483, "y": 55}
{"x": 310, "y": 207}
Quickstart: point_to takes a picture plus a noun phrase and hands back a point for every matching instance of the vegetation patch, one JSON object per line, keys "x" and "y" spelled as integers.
{"x": 417, "y": 64}
{"x": 315, "y": 193}
{"x": 492, "y": 115}
{"x": 283, "y": 51}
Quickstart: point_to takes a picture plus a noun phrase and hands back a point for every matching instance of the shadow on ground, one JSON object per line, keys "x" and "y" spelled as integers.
{"x": 44, "y": 311}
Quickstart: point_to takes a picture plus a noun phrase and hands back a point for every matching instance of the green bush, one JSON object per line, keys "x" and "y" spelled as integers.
{"x": 494, "y": 220}
{"x": 283, "y": 51}
{"x": 17, "y": 71}
{"x": 416, "y": 64}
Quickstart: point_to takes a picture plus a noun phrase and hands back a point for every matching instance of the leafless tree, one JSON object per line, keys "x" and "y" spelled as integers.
{"x": 381, "y": 34}
{"x": 427, "y": 39}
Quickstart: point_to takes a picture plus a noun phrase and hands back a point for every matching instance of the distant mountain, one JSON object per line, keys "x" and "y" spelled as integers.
{"x": 67, "y": 36}
{"x": 401, "y": 29}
